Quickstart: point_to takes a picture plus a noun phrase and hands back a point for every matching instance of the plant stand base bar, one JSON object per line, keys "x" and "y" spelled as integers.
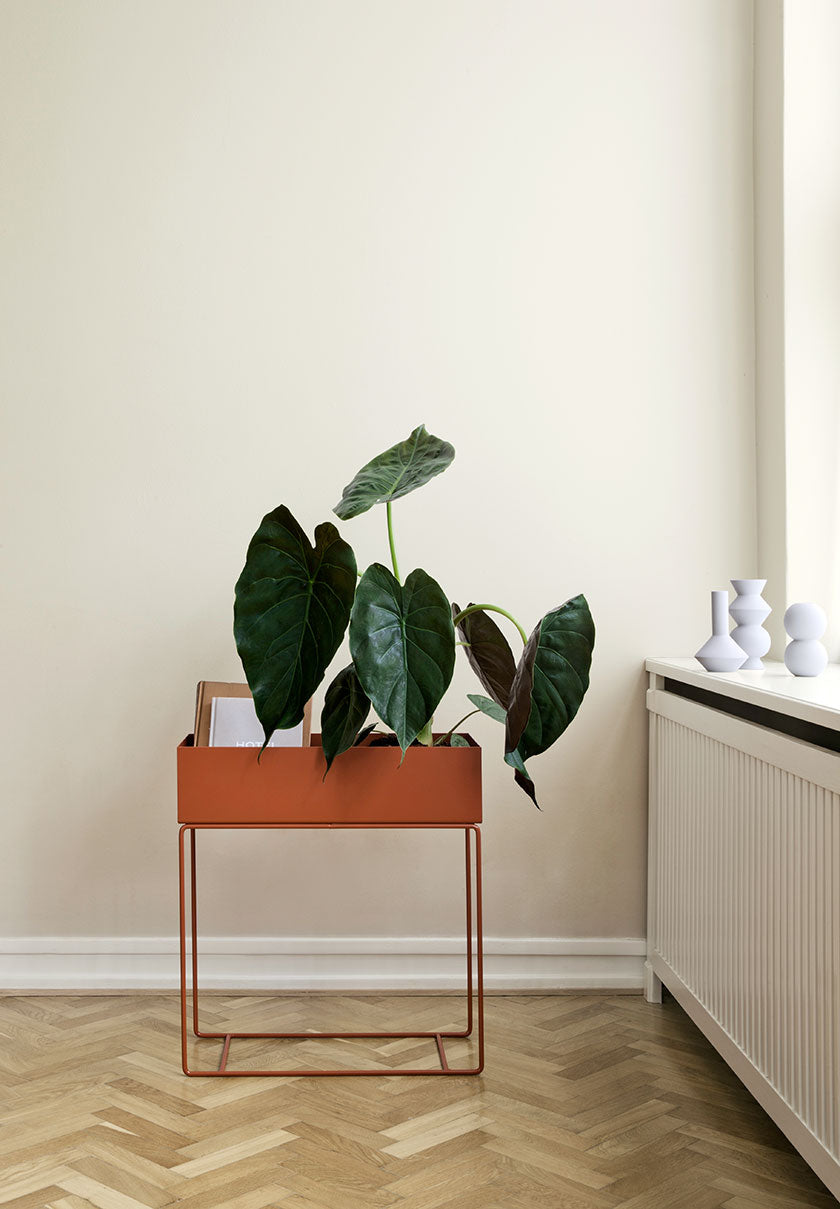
{"x": 445, "y": 1068}
{"x": 474, "y": 987}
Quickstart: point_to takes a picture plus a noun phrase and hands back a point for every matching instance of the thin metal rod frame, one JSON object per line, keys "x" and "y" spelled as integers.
{"x": 472, "y": 836}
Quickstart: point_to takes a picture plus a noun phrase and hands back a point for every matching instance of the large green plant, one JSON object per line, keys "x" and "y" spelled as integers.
{"x": 295, "y": 600}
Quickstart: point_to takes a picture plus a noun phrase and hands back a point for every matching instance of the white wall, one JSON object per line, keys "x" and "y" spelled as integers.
{"x": 769, "y": 241}
{"x": 812, "y": 303}
{"x": 797, "y": 262}
{"x": 247, "y": 246}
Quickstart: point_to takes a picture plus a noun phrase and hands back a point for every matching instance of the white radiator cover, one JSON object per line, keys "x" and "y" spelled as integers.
{"x": 744, "y": 905}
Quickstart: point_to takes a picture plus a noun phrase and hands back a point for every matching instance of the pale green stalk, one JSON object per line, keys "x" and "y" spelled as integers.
{"x": 391, "y": 543}
{"x": 489, "y": 608}
{"x": 450, "y": 733}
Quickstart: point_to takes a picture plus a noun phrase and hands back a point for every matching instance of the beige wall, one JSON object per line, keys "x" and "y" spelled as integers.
{"x": 247, "y": 246}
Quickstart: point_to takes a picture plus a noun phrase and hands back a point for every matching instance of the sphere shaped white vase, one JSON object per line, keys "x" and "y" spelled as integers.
{"x": 805, "y": 655}
{"x": 748, "y": 610}
{"x": 720, "y": 653}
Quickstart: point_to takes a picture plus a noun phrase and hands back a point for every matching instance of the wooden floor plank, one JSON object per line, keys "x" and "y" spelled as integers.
{"x": 586, "y": 1102}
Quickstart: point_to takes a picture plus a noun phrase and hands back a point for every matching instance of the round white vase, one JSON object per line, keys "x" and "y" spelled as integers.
{"x": 805, "y": 655}
{"x": 748, "y": 610}
{"x": 720, "y": 653}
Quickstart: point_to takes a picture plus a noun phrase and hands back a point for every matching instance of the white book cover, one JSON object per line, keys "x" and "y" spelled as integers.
{"x": 234, "y": 723}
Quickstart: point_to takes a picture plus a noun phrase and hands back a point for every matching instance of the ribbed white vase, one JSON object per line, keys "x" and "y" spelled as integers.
{"x": 748, "y": 610}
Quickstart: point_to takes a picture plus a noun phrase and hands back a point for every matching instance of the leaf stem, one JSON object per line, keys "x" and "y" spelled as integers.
{"x": 391, "y": 543}
{"x": 489, "y": 608}
{"x": 450, "y": 733}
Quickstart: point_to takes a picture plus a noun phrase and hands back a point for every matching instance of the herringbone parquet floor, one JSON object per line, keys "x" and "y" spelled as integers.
{"x": 587, "y": 1102}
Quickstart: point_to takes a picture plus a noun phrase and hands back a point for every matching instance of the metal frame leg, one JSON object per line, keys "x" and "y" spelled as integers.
{"x": 439, "y": 1037}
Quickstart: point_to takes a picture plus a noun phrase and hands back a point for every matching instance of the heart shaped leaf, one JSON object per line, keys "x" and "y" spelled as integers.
{"x": 292, "y": 607}
{"x": 398, "y": 470}
{"x": 488, "y": 707}
{"x": 550, "y": 681}
{"x": 403, "y": 645}
{"x": 458, "y": 741}
{"x": 489, "y": 654}
{"x": 346, "y": 706}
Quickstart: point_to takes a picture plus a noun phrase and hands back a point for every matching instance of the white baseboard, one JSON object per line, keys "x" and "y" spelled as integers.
{"x": 119, "y": 963}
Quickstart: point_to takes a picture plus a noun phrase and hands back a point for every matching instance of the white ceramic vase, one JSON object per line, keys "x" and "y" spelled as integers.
{"x": 805, "y": 655}
{"x": 720, "y": 653}
{"x": 748, "y": 610}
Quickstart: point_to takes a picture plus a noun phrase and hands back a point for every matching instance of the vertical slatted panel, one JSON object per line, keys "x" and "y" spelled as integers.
{"x": 748, "y": 911}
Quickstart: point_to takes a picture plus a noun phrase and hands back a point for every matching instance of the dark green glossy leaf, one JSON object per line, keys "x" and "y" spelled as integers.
{"x": 488, "y": 707}
{"x": 521, "y": 776}
{"x": 403, "y": 645}
{"x": 551, "y": 679}
{"x": 346, "y": 706}
{"x": 292, "y": 606}
{"x": 524, "y": 782}
{"x": 489, "y": 654}
{"x": 458, "y": 741}
{"x": 519, "y": 708}
{"x": 550, "y": 682}
{"x": 363, "y": 734}
{"x": 398, "y": 470}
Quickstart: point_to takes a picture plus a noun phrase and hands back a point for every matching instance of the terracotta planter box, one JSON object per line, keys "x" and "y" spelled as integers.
{"x": 364, "y": 785}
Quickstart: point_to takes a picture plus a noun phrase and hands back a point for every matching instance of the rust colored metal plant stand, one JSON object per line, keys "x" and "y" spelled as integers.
{"x": 474, "y": 990}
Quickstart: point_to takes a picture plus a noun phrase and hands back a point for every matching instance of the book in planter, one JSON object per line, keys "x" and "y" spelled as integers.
{"x": 225, "y": 717}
